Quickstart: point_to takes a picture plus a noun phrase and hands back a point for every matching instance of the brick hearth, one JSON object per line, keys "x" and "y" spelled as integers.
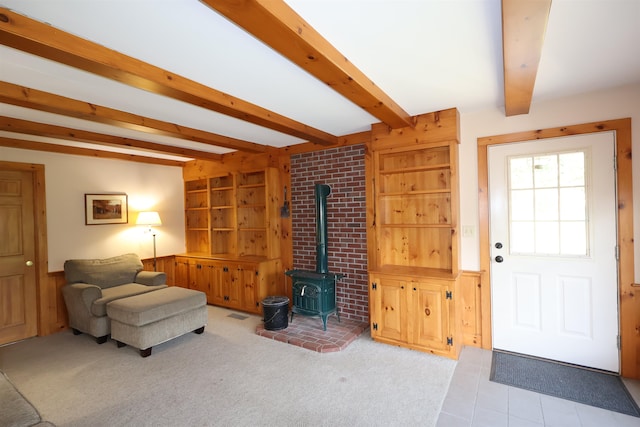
{"x": 306, "y": 332}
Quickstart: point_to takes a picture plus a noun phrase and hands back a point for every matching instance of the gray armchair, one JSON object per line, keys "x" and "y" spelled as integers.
{"x": 92, "y": 283}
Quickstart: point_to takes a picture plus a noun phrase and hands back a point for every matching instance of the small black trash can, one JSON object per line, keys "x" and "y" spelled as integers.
{"x": 275, "y": 310}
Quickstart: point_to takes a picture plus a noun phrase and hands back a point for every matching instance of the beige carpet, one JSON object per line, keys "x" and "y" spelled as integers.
{"x": 228, "y": 376}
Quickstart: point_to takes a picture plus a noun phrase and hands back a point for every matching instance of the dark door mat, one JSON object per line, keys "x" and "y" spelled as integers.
{"x": 594, "y": 388}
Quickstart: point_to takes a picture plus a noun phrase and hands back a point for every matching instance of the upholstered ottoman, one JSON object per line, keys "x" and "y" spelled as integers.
{"x": 145, "y": 320}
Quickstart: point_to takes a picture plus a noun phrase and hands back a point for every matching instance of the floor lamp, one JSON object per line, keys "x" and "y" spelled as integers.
{"x": 150, "y": 219}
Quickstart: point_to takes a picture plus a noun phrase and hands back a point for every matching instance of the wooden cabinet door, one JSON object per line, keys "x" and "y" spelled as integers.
{"x": 247, "y": 276}
{"x": 389, "y": 309}
{"x": 231, "y": 285}
{"x": 199, "y": 276}
{"x": 181, "y": 272}
{"x": 430, "y": 318}
{"x": 216, "y": 287}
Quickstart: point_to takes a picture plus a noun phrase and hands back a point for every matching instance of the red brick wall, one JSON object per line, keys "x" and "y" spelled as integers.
{"x": 343, "y": 170}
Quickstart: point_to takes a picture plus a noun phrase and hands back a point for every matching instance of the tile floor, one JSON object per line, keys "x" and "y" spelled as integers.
{"x": 473, "y": 400}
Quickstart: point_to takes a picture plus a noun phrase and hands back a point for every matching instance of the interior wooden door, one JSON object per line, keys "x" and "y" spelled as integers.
{"x": 18, "y": 304}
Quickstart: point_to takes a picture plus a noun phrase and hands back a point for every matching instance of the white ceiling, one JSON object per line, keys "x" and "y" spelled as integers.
{"x": 427, "y": 55}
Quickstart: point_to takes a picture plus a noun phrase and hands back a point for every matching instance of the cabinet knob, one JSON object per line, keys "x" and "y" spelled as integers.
{"x": 427, "y": 311}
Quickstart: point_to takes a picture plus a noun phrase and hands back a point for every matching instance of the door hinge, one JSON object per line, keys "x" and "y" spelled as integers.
{"x": 449, "y": 340}
{"x": 617, "y": 252}
{"x": 448, "y": 295}
{"x": 374, "y": 285}
{"x": 375, "y": 326}
{"x": 618, "y": 342}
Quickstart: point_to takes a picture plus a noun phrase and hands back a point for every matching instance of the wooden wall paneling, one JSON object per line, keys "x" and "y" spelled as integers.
{"x": 286, "y": 238}
{"x": 432, "y": 127}
{"x": 370, "y": 177}
{"x": 165, "y": 264}
{"x": 231, "y": 162}
{"x": 471, "y": 300}
{"x": 55, "y": 318}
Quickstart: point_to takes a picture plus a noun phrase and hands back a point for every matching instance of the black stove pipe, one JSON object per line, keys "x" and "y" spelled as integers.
{"x": 322, "y": 261}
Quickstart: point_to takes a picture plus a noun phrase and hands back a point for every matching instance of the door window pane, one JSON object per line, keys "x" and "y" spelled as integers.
{"x": 572, "y": 169}
{"x": 521, "y": 172}
{"x": 573, "y": 204}
{"x": 548, "y": 204}
{"x": 545, "y": 171}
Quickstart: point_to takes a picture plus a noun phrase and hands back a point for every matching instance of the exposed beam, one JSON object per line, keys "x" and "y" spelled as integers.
{"x": 44, "y": 40}
{"x": 10, "y": 124}
{"x": 65, "y": 149}
{"x": 281, "y": 28}
{"x": 44, "y": 101}
{"x": 524, "y": 23}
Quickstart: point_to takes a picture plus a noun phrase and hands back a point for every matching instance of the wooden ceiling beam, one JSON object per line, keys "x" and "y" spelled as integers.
{"x": 524, "y": 23}
{"x": 280, "y": 27}
{"x": 41, "y": 39}
{"x": 44, "y": 101}
{"x": 78, "y": 151}
{"x": 26, "y": 127}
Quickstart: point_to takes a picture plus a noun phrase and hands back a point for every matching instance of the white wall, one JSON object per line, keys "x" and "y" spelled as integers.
{"x": 618, "y": 103}
{"x": 148, "y": 187}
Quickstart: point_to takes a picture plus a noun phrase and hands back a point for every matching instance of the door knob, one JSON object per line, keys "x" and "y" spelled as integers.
{"x": 499, "y": 259}
{"x": 498, "y": 245}
{"x": 29, "y": 263}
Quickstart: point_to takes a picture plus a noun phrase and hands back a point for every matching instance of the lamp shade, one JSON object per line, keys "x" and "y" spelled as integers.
{"x": 148, "y": 218}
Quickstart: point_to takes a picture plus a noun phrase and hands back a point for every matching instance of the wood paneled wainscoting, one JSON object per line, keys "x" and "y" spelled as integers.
{"x": 470, "y": 298}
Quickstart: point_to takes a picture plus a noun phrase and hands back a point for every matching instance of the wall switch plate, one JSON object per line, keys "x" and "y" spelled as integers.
{"x": 468, "y": 231}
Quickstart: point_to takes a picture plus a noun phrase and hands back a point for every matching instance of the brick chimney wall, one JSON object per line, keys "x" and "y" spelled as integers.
{"x": 343, "y": 169}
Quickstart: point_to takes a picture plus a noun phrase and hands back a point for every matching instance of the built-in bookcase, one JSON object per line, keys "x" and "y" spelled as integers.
{"x": 414, "y": 240}
{"x": 233, "y": 215}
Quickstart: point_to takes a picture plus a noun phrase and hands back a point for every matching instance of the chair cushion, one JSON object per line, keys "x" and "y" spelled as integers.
{"x": 105, "y": 273}
{"x": 99, "y": 306}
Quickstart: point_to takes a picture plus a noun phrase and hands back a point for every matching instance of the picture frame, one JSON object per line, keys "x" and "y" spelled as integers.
{"x": 106, "y": 209}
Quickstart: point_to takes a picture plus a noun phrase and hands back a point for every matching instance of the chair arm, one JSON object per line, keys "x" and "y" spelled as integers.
{"x": 151, "y": 278}
{"x": 81, "y": 295}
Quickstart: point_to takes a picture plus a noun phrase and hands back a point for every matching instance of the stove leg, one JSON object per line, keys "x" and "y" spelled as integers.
{"x": 324, "y": 321}
{"x": 338, "y": 314}
{"x": 291, "y": 319}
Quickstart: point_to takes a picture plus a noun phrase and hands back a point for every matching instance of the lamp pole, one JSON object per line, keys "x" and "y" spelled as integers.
{"x": 154, "y": 251}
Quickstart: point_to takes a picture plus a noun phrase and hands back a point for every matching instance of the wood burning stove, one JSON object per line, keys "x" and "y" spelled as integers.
{"x": 314, "y": 292}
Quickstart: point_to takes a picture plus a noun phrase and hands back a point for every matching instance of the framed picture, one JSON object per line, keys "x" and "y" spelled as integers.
{"x": 106, "y": 209}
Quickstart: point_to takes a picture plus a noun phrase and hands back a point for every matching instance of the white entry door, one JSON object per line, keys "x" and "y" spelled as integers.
{"x": 554, "y": 282}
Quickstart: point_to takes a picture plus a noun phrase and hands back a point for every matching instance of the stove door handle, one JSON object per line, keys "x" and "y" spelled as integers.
{"x": 302, "y": 290}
